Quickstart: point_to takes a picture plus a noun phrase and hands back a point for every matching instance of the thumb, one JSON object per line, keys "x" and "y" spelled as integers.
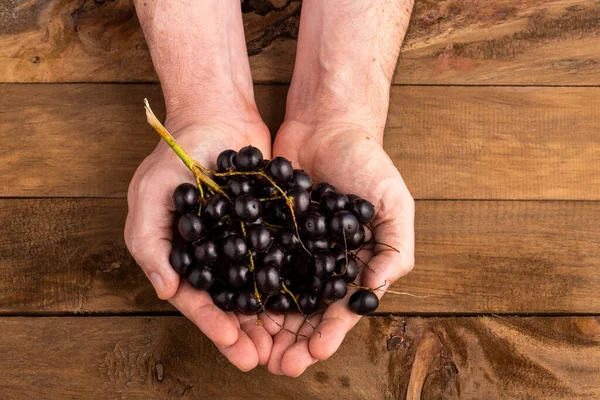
{"x": 148, "y": 236}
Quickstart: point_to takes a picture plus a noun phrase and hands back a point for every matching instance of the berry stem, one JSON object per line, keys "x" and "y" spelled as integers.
{"x": 288, "y": 291}
{"x": 364, "y": 263}
{"x": 197, "y": 169}
{"x": 270, "y": 198}
{"x": 264, "y": 311}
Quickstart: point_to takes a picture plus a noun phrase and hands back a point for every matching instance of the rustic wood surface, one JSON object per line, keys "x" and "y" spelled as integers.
{"x": 448, "y": 142}
{"x": 467, "y": 152}
{"x": 460, "y": 42}
{"x": 382, "y": 358}
{"x": 68, "y": 255}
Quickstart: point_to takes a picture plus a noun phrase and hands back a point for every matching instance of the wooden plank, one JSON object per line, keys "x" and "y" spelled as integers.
{"x": 382, "y": 358}
{"x": 496, "y": 143}
{"x": 68, "y": 255}
{"x": 448, "y": 142}
{"x": 462, "y": 42}
{"x": 87, "y": 140}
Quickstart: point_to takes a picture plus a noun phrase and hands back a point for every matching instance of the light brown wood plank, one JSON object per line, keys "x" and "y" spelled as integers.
{"x": 448, "y": 142}
{"x": 59, "y": 255}
{"x": 463, "y": 42}
{"x": 382, "y": 358}
{"x": 496, "y": 143}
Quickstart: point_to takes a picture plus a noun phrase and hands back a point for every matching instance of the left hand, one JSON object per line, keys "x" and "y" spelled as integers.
{"x": 351, "y": 158}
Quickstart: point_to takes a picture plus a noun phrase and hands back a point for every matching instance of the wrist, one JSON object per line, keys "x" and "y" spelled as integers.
{"x": 202, "y": 104}
{"x": 320, "y": 97}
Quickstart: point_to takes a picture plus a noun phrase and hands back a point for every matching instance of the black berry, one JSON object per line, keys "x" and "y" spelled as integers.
{"x": 224, "y": 298}
{"x": 314, "y": 225}
{"x": 323, "y": 265}
{"x": 248, "y": 158}
{"x": 201, "y": 278}
{"x": 234, "y": 247}
{"x": 332, "y": 202}
{"x": 320, "y": 189}
{"x": 181, "y": 260}
{"x": 280, "y": 169}
{"x": 363, "y": 302}
{"x": 238, "y": 185}
{"x": 343, "y": 224}
{"x": 247, "y": 207}
{"x": 280, "y": 303}
{"x": 363, "y": 210}
{"x": 335, "y": 288}
{"x": 190, "y": 227}
{"x": 260, "y": 238}
{"x": 226, "y": 161}
{"x": 247, "y": 303}
{"x": 308, "y": 302}
{"x": 268, "y": 279}
{"x": 238, "y": 275}
{"x": 216, "y": 207}
{"x": 300, "y": 199}
{"x": 206, "y": 251}
{"x": 300, "y": 179}
{"x": 186, "y": 198}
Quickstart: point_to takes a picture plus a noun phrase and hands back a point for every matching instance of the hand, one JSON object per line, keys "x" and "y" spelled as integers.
{"x": 148, "y": 230}
{"x": 351, "y": 158}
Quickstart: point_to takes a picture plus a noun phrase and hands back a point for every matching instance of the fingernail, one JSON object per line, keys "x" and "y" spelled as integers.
{"x": 157, "y": 282}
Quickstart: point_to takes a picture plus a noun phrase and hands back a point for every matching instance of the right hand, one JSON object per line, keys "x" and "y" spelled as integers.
{"x": 148, "y": 231}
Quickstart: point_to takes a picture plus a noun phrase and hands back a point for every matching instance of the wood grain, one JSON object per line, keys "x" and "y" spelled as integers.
{"x": 525, "y": 42}
{"x": 382, "y": 358}
{"x": 68, "y": 256}
{"x": 87, "y": 140}
{"x": 448, "y": 142}
{"x": 496, "y": 143}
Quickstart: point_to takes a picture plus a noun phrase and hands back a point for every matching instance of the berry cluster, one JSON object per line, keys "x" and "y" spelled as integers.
{"x": 268, "y": 239}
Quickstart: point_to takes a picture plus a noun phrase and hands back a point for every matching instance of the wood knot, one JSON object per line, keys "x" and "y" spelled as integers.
{"x": 396, "y": 339}
{"x": 160, "y": 371}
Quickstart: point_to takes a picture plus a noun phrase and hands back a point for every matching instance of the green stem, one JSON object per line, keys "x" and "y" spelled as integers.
{"x": 197, "y": 169}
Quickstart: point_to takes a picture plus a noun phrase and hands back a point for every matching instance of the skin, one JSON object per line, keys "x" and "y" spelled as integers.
{"x": 336, "y": 110}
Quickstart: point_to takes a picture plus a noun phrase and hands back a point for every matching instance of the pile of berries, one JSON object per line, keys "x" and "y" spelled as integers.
{"x": 263, "y": 238}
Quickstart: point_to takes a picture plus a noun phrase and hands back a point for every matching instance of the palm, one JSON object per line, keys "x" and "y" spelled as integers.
{"x": 349, "y": 158}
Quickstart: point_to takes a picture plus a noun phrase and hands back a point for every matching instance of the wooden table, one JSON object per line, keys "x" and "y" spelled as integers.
{"x": 494, "y": 123}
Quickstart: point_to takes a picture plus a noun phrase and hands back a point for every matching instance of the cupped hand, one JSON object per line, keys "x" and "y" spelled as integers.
{"x": 148, "y": 231}
{"x": 351, "y": 158}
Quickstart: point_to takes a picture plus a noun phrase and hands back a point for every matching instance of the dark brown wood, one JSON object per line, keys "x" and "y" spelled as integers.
{"x": 448, "y": 142}
{"x": 449, "y": 42}
{"x": 381, "y": 358}
{"x": 68, "y": 255}
{"x": 86, "y": 140}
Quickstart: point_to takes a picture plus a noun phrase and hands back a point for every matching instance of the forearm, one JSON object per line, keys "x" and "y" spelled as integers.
{"x": 347, "y": 52}
{"x": 199, "y": 53}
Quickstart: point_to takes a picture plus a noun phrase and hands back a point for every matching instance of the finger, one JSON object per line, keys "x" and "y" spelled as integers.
{"x": 335, "y": 324}
{"x": 394, "y": 226}
{"x": 283, "y": 340}
{"x": 242, "y": 353}
{"x": 390, "y": 263}
{"x": 199, "y": 308}
{"x": 263, "y": 342}
{"x": 148, "y": 234}
{"x": 297, "y": 358}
